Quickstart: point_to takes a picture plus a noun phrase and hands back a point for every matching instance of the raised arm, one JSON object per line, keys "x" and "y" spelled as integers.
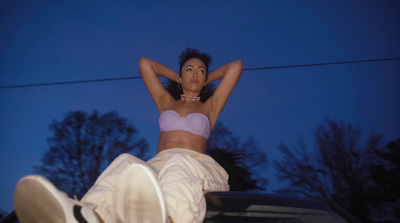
{"x": 150, "y": 70}
{"x": 230, "y": 74}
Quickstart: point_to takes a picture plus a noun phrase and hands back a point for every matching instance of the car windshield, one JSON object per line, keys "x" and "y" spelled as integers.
{"x": 254, "y": 210}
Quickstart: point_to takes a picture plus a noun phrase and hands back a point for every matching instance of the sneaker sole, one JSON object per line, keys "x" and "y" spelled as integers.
{"x": 35, "y": 203}
{"x": 139, "y": 197}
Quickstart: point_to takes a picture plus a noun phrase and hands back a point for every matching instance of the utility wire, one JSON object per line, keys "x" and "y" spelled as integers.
{"x": 68, "y": 82}
{"x": 322, "y": 64}
{"x": 245, "y": 69}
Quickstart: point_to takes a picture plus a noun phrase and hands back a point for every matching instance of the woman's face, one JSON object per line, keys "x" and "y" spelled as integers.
{"x": 194, "y": 74}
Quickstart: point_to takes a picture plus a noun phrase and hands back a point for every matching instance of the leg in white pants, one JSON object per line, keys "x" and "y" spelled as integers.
{"x": 184, "y": 176}
{"x": 101, "y": 195}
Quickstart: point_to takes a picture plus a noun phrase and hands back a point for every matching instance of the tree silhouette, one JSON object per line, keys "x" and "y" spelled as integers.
{"x": 337, "y": 170}
{"x": 385, "y": 172}
{"x": 83, "y": 145}
{"x": 2, "y": 214}
{"x": 242, "y": 161}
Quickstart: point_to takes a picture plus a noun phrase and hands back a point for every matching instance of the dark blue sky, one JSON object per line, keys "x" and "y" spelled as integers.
{"x": 55, "y": 41}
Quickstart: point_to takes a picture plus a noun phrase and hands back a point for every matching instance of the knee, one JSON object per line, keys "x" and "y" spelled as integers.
{"x": 127, "y": 158}
{"x": 123, "y": 156}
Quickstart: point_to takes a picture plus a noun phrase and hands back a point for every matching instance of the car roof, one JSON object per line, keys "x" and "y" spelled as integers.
{"x": 262, "y": 202}
{"x": 231, "y": 199}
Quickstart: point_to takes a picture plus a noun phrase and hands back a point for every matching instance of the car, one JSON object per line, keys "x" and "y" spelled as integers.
{"x": 260, "y": 207}
{"x": 257, "y": 207}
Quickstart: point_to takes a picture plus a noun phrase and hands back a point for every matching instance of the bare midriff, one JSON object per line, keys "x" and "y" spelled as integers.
{"x": 181, "y": 139}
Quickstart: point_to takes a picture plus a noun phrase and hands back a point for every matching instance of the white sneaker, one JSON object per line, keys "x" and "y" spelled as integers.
{"x": 37, "y": 200}
{"x": 139, "y": 197}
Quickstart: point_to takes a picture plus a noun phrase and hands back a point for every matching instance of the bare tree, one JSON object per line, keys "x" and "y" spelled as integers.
{"x": 83, "y": 145}
{"x": 385, "y": 172}
{"x": 2, "y": 214}
{"x": 243, "y": 161}
{"x": 336, "y": 170}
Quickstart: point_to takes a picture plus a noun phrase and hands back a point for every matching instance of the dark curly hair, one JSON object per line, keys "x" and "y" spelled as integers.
{"x": 193, "y": 53}
{"x": 172, "y": 86}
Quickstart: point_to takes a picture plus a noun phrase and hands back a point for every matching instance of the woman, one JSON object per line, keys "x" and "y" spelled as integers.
{"x": 171, "y": 186}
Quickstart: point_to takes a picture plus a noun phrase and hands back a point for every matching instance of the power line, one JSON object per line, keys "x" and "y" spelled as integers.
{"x": 322, "y": 64}
{"x": 245, "y": 69}
{"x": 68, "y": 82}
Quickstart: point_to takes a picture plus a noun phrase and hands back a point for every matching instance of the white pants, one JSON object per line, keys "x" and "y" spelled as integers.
{"x": 184, "y": 176}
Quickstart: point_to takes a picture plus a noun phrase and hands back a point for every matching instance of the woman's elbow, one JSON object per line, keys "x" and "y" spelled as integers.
{"x": 238, "y": 64}
{"x": 143, "y": 60}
